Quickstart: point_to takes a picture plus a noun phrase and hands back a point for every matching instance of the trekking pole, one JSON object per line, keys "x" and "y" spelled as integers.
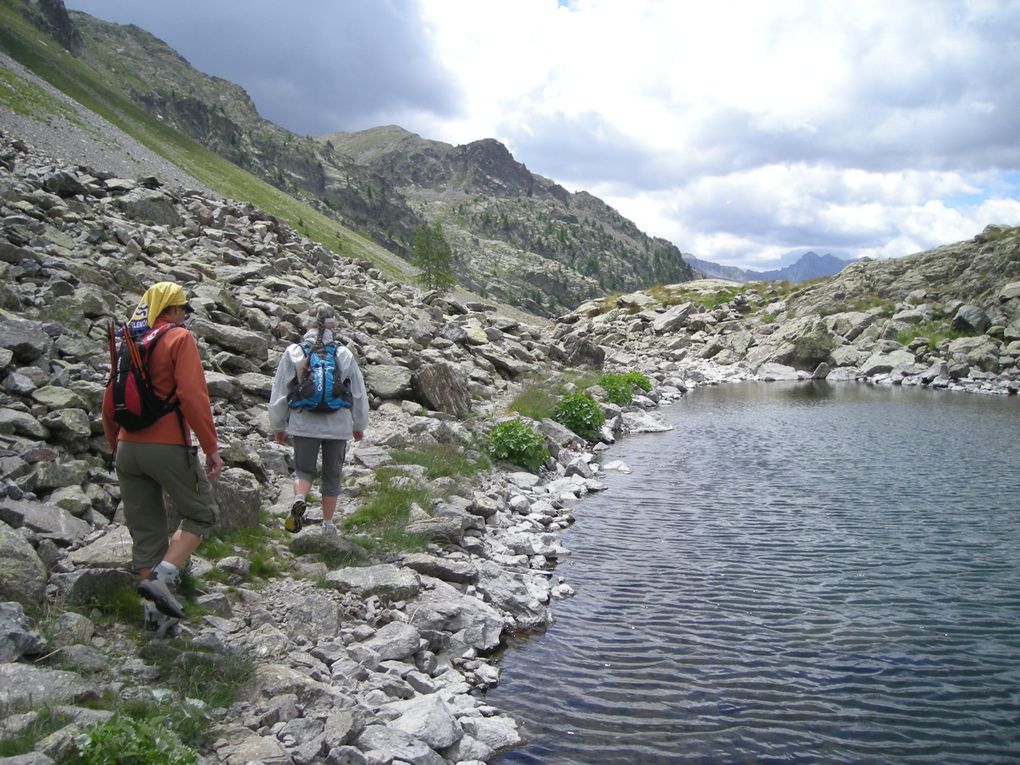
{"x": 136, "y": 356}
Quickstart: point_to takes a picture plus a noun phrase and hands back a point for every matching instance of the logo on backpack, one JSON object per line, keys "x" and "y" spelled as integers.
{"x": 135, "y": 403}
{"x": 316, "y": 388}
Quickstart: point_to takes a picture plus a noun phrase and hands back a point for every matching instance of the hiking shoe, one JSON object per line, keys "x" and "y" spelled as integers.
{"x": 155, "y": 589}
{"x": 328, "y": 528}
{"x": 294, "y": 523}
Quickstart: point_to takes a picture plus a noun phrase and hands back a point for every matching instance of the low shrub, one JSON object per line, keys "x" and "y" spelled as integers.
{"x": 619, "y": 387}
{"x": 516, "y": 442}
{"x": 580, "y": 413}
{"x": 127, "y": 741}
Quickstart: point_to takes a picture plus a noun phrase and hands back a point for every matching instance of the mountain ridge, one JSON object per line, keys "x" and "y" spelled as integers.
{"x": 516, "y": 236}
{"x": 808, "y": 266}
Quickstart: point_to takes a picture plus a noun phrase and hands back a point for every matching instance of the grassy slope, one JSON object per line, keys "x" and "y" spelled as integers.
{"x": 41, "y": 55}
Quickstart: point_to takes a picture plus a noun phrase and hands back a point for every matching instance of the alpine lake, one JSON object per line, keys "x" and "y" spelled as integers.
{"x": 797, "y": 572}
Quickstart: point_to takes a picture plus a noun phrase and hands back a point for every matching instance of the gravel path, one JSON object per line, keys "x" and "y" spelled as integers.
{"x": 92, "y": 141}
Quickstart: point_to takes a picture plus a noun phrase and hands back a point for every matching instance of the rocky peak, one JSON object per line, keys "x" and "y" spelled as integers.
{"x": 52, "y": 17}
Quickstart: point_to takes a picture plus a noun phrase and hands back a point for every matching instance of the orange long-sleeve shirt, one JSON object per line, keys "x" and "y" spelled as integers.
{"x": 174, "y": 361}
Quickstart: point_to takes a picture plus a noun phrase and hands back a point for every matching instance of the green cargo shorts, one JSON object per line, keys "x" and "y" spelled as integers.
{"x": 145, "y": 471}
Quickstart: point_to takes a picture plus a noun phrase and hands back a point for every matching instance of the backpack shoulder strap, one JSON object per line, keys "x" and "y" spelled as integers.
{"x": 154, "y": 337}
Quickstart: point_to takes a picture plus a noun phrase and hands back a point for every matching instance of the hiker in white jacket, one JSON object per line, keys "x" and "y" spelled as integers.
{"x": 312, "y": 430}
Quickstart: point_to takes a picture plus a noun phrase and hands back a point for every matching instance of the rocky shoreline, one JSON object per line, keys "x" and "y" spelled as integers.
{"x": 380, "y": 662}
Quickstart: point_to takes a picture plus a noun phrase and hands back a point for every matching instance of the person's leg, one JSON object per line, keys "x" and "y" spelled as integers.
{"x": 145, "y": 515}
{"x": 178, "y": 472}
{"x": 306, "y": 454}
{"x": 333, "y": 452}
{"x": 144, "y": 511}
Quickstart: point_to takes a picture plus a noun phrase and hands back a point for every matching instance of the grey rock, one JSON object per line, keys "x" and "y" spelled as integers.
{"x": 673, "y": 318}
{"x": 111, "y": 550}
{"x": 149, "y": 206}
{"x": 499, "y": 733}
{"x": 26, "y": 685}
{"x": 383, "y": 580}
{"x": 439, "y": 387}
{"x": 45, "y": 519}
{"x": 441, "y": 567}
{"x": 426, "y": 718}
{"x": 27, "y": 340}
{"x": 22, "y": 573}
{"x": 253, "y": 345}
{"x": 382, "y": 743}
{"x": 18, "y": 634}
{"x": 85, "y": 585}
{"x": 972, "y": 318}
{"x": 396, "y": 640}
{"x": 71, "y": 628}
{"x": 388, "y": 381}
{"x": 443, "y": 608}
{"x": 22, "y": 424}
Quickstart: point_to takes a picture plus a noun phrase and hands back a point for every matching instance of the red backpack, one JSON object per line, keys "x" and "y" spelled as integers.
{"x": 136, "y": 405}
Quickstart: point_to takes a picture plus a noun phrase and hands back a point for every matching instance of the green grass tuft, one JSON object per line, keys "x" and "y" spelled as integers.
{"x": 439, "y": 460}
{"x": 380, "y": 523}
{"x": 24, "y": 741}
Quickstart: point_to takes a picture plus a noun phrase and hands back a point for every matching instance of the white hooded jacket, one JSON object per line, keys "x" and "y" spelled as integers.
{"x": 340, "y": 424}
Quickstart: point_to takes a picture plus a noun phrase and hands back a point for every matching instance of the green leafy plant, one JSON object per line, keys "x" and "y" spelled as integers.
{"x": 581, "y": 413}
{"x": 619, "y": 387}
{"x": 128, "y": 741}
{"x": 516, "y": 442}
{"x": 638, "y": 380}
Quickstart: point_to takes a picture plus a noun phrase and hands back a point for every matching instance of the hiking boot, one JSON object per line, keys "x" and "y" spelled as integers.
{"x": 328, "y": 528}
{"x": 157, "y": 590}
{"x": 294, "y": 523}
{"x": 156, "y": 624}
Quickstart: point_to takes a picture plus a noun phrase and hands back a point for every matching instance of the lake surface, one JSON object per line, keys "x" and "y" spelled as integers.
{"x": 805, "y": 573}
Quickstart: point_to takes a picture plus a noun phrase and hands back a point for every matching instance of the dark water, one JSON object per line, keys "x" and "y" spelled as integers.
{"x": 802, "y": 573}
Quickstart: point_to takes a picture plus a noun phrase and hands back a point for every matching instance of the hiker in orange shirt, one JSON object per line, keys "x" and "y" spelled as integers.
{"x": 160, "y": 457}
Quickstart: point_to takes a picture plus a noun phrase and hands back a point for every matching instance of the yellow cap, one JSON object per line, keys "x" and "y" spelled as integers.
{"x": 159, "y": 296}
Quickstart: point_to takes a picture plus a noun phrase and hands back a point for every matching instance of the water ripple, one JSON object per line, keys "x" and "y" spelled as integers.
{"x": 794, "y": 574}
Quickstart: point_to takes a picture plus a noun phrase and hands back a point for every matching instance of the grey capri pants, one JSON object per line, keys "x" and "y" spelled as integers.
{"x": 306, "y": 454}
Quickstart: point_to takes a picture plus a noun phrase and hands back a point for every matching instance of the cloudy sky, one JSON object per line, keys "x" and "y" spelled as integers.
{"x": 745, "y": 131}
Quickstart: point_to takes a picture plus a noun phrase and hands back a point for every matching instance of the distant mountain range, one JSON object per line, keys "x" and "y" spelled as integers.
{"x": 810, "y": 266}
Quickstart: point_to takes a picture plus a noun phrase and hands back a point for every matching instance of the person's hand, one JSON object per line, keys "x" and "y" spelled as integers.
{"x": 358, "y": 435}
{"x": 213, "y": 465}
{"x": 281, "y": 436}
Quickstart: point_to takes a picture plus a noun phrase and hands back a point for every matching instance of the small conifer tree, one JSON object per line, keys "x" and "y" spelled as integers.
{"x": 432, "y": 254}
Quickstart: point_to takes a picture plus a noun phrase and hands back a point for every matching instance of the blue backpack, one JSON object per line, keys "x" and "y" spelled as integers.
{"x": 316, "y": 388}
